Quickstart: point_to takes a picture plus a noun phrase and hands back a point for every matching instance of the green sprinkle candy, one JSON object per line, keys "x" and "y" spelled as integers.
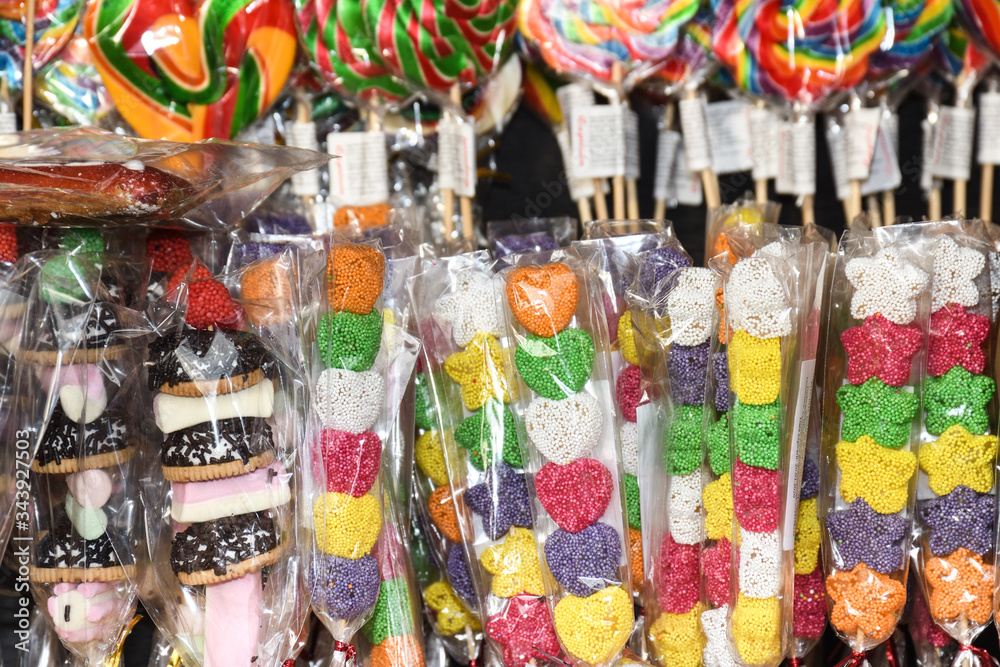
{"x": 682, "y": 440}
{"x": 877, "y": 410}
{"x": 478, "y": 433}
{"x": 68, "y": 279}
{"x": 632, "y": 502}
{"x": 392, "y": 616}
{"x": 425, "y": 416}
{"x": 83, "y": 239}
{"x": 718, "y": 445}
{"x": 556, "y": 367}
{"x": 958, "y": 397}
{"x": 350, "y": 341}
{"x": 758, "y": 434}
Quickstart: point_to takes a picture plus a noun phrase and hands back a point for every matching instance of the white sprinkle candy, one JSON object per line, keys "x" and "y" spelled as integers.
{"x": 347, "y": 400}
{"x": 691, "y": 306}
{"x": 756, "y": 301}
{"x": 565, "y": 430}
{"x": 472, "y": 307}
{"x": 716, "y": 652}
{"x": 630, "y": 448}
{"x": 760, "y": 564}
{"x": 886, "y": 284}
{"x": 955, "y": 272}
{"x": 685, "y": 508}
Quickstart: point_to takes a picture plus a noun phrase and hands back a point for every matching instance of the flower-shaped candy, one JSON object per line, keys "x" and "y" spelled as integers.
{"x": 718, "y": 501}
{"x": 958, "y": 457}
{"x": 880, "y": 349}
{"x": 691, "y": 306}
{"x": 720, "y": 367}
{"x": 960, "y": 584}
{"x": 687, "y": 368}
{"x": 958, "y": 397}
{"x": 756, "y": 301}
{"x": 963, "y": 518}
{"x": 755, "y": 368}
{"x": 865, "y": 600}
{"x": 862, "y": 535}
{"x": 760, "y": 564}
{"x": 888, "y": 284}
{"x": 878, "y": 474}
{"x": 479, "y": 370}
{"x": 877, "y": 410}
{"x": 678, "y": 587}
{"x": 682, "y": 440}
{"x": 502, "y": 501}
{"x": 713, "y": 624}
{"x": 955, "y": 272}
{"x": 717, "y": 567}
{"x": 472, "y": 307}
{"x": 514, "y": 565}
{"x": 756, "y": 497}
{"x": 718, "y": 445}
{"x": 657, "y": 264}
{"x": 810, "y": 480}
{"x": 957, "y": 340}
{"x": 676, "y": 637}
{"x": 685, "y": 508}
{"x": 524, "y": 631}
{"x": 452, "y": 615}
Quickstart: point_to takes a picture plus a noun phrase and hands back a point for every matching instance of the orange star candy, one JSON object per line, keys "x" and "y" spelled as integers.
{"x": 865, "y": 600}
{"x": 960, "y": 584}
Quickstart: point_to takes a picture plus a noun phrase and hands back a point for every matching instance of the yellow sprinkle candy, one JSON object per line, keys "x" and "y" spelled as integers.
{"x": 346, "y": 526}
{"x": 479, "y": 370}
{"x": 755, "y": 368}
{"x": 452, "y": 615}
{"x": 626, "y": 339}
{"x": 596, "y": 627}
{"x": 958, "y": 457}
{"x": 677, "y": 639}
{"x": 878, "y": 474}
{"x": 756, "y": 629}
{"x": 514, "y": 565}
{"x": 429, "y": 455}
{"x": 718, "y": 501}
{"x": 807, "y": 537}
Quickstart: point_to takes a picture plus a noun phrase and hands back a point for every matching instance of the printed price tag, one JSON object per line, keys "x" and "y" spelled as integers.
{"x": 666, "y": 160}
{"x": 861, "y": 130}
{"x": 729, "y": 136}
{"x": 305, "y": 183}
{"x": 952, "y": 157}
{"x": 687, "y": 184}
{"x": 797, "y": 158}
{"x": 695, "y": 131}
{"x": 632, "y": 170}
{"x": 573, "y": 97}
{"x": 838, "y": 160}
{"x": 989, "y": 129}
{"x": 359, "y": 174}
{"x": 884, "y": 174}
{"x": 8, "y": 122}
{"x": 764, "y": 143}
{"x": 457, "y": 157}
{"x": 579, "y": 188}
{"x": 597, "y": 142}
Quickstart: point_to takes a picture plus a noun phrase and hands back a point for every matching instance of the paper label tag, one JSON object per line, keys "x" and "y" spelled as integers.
{"x": 764, "y": 143}
{"x": 597, "y": 141}
{"x": 838, "y": 160}
{"x": 884, "y": 174}
{"x": 666, "y": 161}
{"x": 989, "y": 129}
{"x": 729, "y": 136}
{"x": 797, "y": 158}
{"x": 579, "y": 188}
{"x": 359, "y": 176}
{"x": 8, "y": 122}
{"x": 457, "y": 157}
{"x": 800, "y": 429}
{"x": 861, "y": 128}
{"x": 695, "y": 131}
{"x": 572, "y": 97}
{"x": 927, "y": 151}
{"x": 687, "y": 184}
{"x": 632, "y": 169}
{"x": 303, "y": 135}
{"x": 952, "y": 158}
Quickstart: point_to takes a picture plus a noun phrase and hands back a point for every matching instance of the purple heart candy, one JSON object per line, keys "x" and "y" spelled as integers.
{"x": 584, "y": 562}
{"x": 344, "y": 587}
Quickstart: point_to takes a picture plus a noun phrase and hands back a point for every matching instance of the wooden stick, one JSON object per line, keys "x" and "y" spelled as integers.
{"x": 709, "y": 181}
{"x": 889, "y": 207}
{"x": 465, "y": 203}
{"x": 874, "y": 211}
{"x": 934, "y": 202}
{"x": 660, "y": 205}
{"x": 854, "y": 202}
{"x": 760, "y": 189}
{"x": 632, "y": 192}
{"x": 986, "y": 193}
{"x": 960, "y": 188}
{"x": 600, "y": 203}
{"x": 583, "y": 208}
{"x": 303, "y": 114}
{"x": 447, "y": 194}
{"x": 29, "y": 65}
{"x": 618, "y": 181}
{"x": 808, "y": 209}
{"x": 659, "y": 209}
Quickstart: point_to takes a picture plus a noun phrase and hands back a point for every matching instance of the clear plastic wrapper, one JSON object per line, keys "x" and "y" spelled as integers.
{"x": 83, "y": 175}
{"x": 602, "y": 229}
{"x": 71, "y": 87}
{"x": 876, "y": 348}
{"x": 509, "y": 237}
{"x": 564, "y": 396}
{"x": 730, "y": 217}
{"x": 956, "y": 491}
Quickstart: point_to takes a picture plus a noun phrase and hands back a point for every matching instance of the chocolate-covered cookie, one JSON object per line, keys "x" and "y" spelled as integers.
{"x": 224, "y": 549}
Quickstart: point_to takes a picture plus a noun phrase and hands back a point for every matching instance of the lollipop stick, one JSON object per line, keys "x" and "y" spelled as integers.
{"x": 888, "y": 207}
{"x": 760, "y": 188}
{"x": 934, "y": 202}
{"x": 854, "y": 203}
{"x": 808, "y": 208}
{"x": 600, "y": 203}
{"x": 633, "y": 199}
{"x": 986, "y": 193}
{"x": 874, "y": 211}
{"x": 583, "y": 208}
{"x": 29, "y": 76}
{"x": 465, "y": 203}
{"x": 618, "y": 181}
{"x": 660, "y": 205}
{"x": 303, "y": 114}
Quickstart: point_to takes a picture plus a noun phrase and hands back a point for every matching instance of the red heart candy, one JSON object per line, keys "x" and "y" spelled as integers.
{"x": 350, "y": 461}
{"x": 576, "y": 494}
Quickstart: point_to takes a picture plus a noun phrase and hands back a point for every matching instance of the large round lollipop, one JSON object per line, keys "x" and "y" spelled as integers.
{"x": 55, "y": 21}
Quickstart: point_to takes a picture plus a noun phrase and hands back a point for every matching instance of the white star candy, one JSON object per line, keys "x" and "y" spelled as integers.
{"x": 685, "y": 508}
{"x": 886, "y": 284}
{"x": 630, "y": 448}
{"x": 955, "y": 272}
{"x": 472, "y": 307}
{"x": 756, "y": 301}
{"x": 716, "y": 652}
{"x": 760, "y": 564}
{"x": 691, "y": 306}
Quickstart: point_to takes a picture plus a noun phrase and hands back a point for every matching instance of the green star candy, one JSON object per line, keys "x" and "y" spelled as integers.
{"x": 718, "y": 445}
{"x": 632, "y": 502}
{"x": 877, "y": 410}
{"x": 392, "y": 616}
{"x": 958, "y": 397}
{"x": 492, "y": 423}
{"x": 682, "y": 440}
{"x": 425, "y": 413}
{"x": 758, "y": 434}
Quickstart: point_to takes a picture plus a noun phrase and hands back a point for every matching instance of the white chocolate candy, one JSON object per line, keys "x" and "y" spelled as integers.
{"x": 472, "y": 307}
{"x": 691, "y": 306}
{"x": 630, "y": 448}
{"x": 90, "y": 488}
{"x": 955, "y": 272}
{"x": 886, "y": 284}
{"x": 565, "y": 430}
{"x": 760, "y": 564}
{"x": 347, "y": 400}
{"x": 176, "y": 412}
{"x": 685, "y": 508}
{"x": 89, "y": 522}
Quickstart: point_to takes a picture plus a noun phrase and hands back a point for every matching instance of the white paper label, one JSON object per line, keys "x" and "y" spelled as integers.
{"x": 359, "y": 176}
{"x": 457, "y": 157}
{"x": 800, "y": 429}
{"x": 579, "y": 188}
{"x": 764, "y": 143}
{"x": 927, "y": 151}
{"x": 303, "y": 135}
{"x": 884, "y": 174}
{"x": 989, "y": 128}
{"x": 797, "y": 158}
{"x": 861, "y": 131}
{"x": 729, "y": 136}
{"x": 952, "y": 158}
{"x": 8, "y": 122}
{"x": 687, "y": 184}
{"x": 597, "y": 141}
{"x": 632, "y": 170}
{"x": 666, "y": 161}
{"x": 693, "y": 126}
{"x": 838, "y": 160}
{"x": 572, "y": 97}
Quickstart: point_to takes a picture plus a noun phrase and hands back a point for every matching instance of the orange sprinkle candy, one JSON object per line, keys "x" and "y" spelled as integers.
{"x": 635, "y": 557}
{"x": 396, "y": 652}
{"x": 365, "y": 217}
{"x": 266, "y": 291}
{"x": 354, "y": 274}
{"x": 865, "y": 600}
{"x": 441, "y": 506}
{"x": 543, "y": 298}
{"x": 960, "y": 584}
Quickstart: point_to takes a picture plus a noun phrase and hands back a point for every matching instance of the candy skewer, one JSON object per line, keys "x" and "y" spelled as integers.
{"x": 29, "y": 75}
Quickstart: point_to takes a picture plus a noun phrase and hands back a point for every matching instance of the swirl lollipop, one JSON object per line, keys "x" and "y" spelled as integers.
{"x": 185, "y": 70}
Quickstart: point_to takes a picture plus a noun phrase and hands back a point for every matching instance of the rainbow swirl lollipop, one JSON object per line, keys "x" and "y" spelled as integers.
{"x": 55, "y": 21}
{"x": 916, "y": 25}
{"x": 955, "y": 54}
{"x": 184, "y": 70}
{"x": 982, "y": 20}
{"x": 692, "y": 53}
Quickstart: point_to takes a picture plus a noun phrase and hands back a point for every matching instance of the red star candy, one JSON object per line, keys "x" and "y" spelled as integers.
{"x": 881, "y": 349}
{"x": 957, "y": 339}
{"x": 524, "y": 629}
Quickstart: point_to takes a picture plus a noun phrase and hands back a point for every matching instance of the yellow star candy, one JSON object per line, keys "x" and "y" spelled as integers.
{"x": 480, "y": 374}
{"x": 677, "y": 638}
{"x": 626, "y": 339}
{"x": 514, "y": 565}
{"x": 807, "y": 537}
{"x": 596, "y": 627}
{"x": 452, "y": 615}
{"x": 429, "y": 456}
{"x": 878, "y": 474}
{"x": 958, "y": 457}
{"x": 755, "y": 368}
{"x": 718, "y": 501}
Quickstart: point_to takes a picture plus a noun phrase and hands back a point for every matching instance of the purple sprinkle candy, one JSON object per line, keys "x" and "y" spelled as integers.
{"x": 584, "y": 562}
{"x": 657, "y": 265}
{"x": 253, "y": 251}
{"x": 278, "y": 222}
{"x": 862, "y": 535}
{"x": 345, "y": 587}
{"x": 720, "y": 367}
{"x": 810, "y": 480}
{"x": 687, "y": 367}
{"x": 517, "y": 243}
{"x": 963, "y": 518}
{"x": 458, "y": 575}
{"x": 509, "y": 506}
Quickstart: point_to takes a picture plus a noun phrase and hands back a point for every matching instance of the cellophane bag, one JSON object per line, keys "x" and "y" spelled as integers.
{"x": 932, "y": 646}
{"x": 956, "y": 496}
{"x": 730, "y": 217}
{"x": 773, "y": 300}
{"x": 527, "y": 235}
{"x": 875, "y": 359}
{"x": 228, "y": 397}
{"x": 603, "y": 229}
{"x": 563, "y": 395}
{"x": 675, "y": 320}
{"x": 349, "y": 532}
{"x": 76, "y": 426}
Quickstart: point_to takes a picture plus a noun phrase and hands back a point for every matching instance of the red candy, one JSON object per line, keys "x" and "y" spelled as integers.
{"x": 679, "y": 582}
{"x": 209, "y": 305}
{"x": 715, "y": 564}
{"x": 8, "y": 244}
{"x": 576, "y": 494}
{"x": 390, "y": 554}
{"x": 880, "y": 348}
{"x": 629, "y": 392}
{"x": 197, "y": 270}
{"x": 168, "y": 250}
{"x": 957, "y": 340}
{"x": 809, "y": 605}
{"x": 350, "y": 461}
{"x": 524, "y": 630}
{"x": 756, "y": 498}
